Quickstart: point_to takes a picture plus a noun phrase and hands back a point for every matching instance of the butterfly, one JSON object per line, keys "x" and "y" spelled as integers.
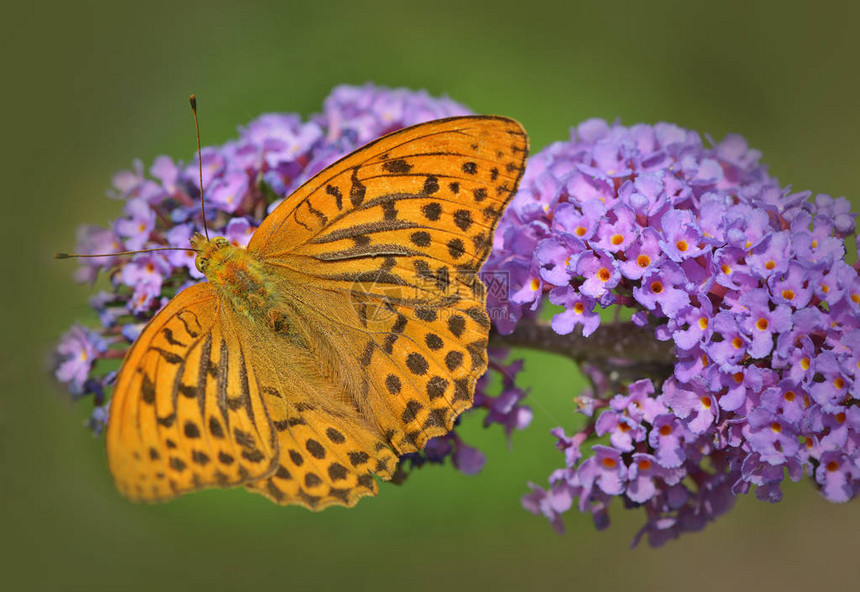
{"x": 350, "y": 331}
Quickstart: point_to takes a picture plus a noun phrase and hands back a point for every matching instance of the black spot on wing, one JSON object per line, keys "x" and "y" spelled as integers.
{"x": 147, "y": 389}
{"x": 215, "y": 428}
{"x": 191, "y": 430}
{"x": 417, "y": 364}
{"x": 397, "y": 165}
{"x": 357, "y": 191}
{"x": 358, "y": 458}
{"x": 167, "y": 356}
{"x": 335, "y": 436}
{"x": 190, "y": 321}
{"x": 167, "y": 333}
{"x": 320, "y": 216}
{"x": 338, "y": 196}
{"x": 315, "y": 448}
{"x": 436, "y": 387}
{"x": 432, "y": 211}
{"x": 431, "y": 185}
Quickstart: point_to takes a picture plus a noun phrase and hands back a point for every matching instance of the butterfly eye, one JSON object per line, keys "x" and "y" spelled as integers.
{"x": 201, "y": 264}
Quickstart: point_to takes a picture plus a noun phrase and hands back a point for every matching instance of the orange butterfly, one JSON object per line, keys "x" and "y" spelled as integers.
{"x": 350, "y": 331}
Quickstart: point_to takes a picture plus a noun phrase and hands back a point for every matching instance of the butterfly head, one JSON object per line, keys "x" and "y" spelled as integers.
{"x": 210, "y": 252}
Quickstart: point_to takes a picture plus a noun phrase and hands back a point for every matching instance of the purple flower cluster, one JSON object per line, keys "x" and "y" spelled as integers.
{"x": 243, "y": 179}
{"x": 693, "y": 242}
{"x": 746, "y": 279}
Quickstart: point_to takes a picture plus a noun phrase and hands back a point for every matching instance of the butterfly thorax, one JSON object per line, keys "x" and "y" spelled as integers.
{"x": 241, "y": 278}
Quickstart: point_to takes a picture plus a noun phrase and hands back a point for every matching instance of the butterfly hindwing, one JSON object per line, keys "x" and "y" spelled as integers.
{"x": 325, "y": 460}
{"x": 187, "y": 411}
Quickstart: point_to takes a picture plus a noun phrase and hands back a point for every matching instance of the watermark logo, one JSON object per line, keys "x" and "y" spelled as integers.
{"x": 498, "y": 285}
{"x": 429, "y": 295}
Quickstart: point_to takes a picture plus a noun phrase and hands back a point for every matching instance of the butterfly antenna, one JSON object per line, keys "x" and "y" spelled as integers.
{"x": 76, "y": 255}
{"x": 193, "y": 100}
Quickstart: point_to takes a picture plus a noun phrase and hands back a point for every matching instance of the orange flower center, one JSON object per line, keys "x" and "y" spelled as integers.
{"x": 665, "y": 430}
{"x": 776, "y": 427}
{"x": 790, "y": 396}
{"x": 579, "y": 308}
{"x": 832, "y": 466}
{"x": 725, "y": 268}
{"x": 603, "y": 274}
{"x": 788, "y": 294}
{"x": 644, "y": 464}
{"x": 770, "y": 264}
{"x": 838, "y": 382}
{"x": 804, "y": 363}
{"x": 657, "y": 287}
{"x": 761, "y": 324}
{"x": 609, "y": 463}
{"x": 737, "y": 343}
{"x": 706, "y": 402}
{"x": 703, "y": 322}
{"x": 682, "y": 245}
{"x": 580, "y": 231}
{"x": 643, "y": 260}
{"x": 535, "y": 284}
{"x": 617, "y": 239}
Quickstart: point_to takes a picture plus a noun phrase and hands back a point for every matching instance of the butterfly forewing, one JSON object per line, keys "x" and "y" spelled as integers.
{"x": 448, "y": 165}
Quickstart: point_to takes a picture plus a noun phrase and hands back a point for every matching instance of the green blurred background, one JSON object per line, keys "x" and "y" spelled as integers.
{"x": 90, "y": 86}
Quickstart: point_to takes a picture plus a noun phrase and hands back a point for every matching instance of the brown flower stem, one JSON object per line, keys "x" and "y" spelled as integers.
{"x": 637, "y": 346}
{"x": 113, "y": 354}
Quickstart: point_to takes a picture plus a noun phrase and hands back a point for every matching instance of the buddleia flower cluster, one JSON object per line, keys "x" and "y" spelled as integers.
{"x": 743, "y": 282}
{"x": 712, "y": 310}
{"x": 244, "y": 179}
